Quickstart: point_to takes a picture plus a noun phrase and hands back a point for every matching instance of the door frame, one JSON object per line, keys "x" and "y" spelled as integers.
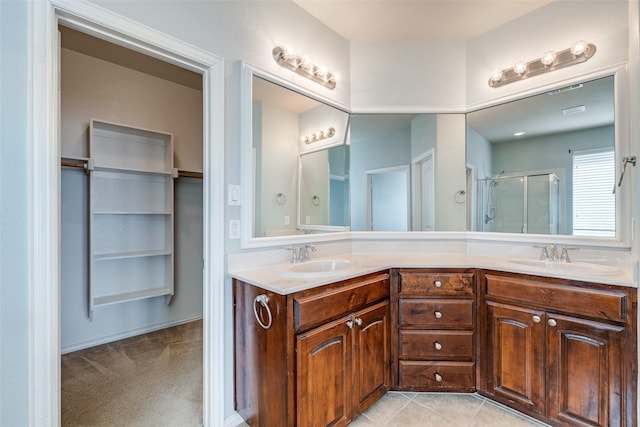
{"x": 416, "y": 188}
{"x": 367, "y": 192}
{"x": 44, "y": 193}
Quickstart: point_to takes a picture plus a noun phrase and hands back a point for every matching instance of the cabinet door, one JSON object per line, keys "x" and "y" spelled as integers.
{"x": 325, "y": 375}
{"x": 584, "y": 372}
{"x": 371, "y": 355}
{"x": 515, "y": 348}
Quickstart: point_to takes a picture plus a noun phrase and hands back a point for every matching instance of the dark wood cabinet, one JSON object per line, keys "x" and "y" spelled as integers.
{"x": 324, "y": 359}
{"x": 343, "y": 367}
{"x": 562, "y": 351}
{"x": 555, "y": 349}
{"x": 434, "y": 329}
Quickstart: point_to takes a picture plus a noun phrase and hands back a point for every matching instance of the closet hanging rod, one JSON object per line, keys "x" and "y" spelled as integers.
{"x": 81, "y": 163}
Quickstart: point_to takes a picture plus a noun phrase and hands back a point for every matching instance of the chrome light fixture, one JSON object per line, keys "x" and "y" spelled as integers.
{"x": 303, "y": 66}
{"x": 581, "y": 51}
{"x": 319, "y": 135}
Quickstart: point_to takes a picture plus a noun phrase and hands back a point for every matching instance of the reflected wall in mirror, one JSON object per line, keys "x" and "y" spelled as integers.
{"x": 281, "y": 118}
{"x": 406, "y": 170}
{"x": 545, "y": 164}
{"x": 324, "y": 190}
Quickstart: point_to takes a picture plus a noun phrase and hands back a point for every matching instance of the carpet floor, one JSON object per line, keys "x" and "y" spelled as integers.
{"x": 153, "y": 379}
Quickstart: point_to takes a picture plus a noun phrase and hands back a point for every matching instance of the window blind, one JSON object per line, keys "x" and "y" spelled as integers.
{"x": 594, "y": 207}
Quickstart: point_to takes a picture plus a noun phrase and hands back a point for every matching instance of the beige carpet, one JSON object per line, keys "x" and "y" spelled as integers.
{"x": 153, "y": 379}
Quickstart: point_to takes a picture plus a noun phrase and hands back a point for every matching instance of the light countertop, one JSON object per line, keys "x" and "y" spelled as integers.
{"x": 278, "y": 278}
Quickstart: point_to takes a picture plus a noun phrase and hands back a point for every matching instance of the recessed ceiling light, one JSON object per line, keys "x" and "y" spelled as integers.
{"x": 519, "y": 133}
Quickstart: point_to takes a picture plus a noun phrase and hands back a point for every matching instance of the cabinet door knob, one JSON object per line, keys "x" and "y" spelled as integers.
{"x": 437, "y": 345}
{"x": 552, "y": 322}
{"x": 536, "y": 318}
{"x": 438, "y": 284}
{"x": 358, "y": 321}
{"x": 350, "y": 324}
{"x": 438, "y": 315}
{"x": 438, "y": 377}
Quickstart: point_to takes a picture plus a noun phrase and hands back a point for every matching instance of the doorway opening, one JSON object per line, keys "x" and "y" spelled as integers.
{"x": 44, "y": 285}
{"x": 388, "y": 202}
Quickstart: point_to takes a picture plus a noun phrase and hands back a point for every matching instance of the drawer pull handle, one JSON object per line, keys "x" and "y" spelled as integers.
{"x": 536, "y": 318}
{"x": 438, "y": 378}
{"x": 438, "y": 315}
{"x": 552, "y": 322}
{"x": 437, "y": 345}
{"x": 263, "y": 300}
{"x": 350, "y": 324}
{"x": 358, "y": 321}
{"x": 438, "y": 284}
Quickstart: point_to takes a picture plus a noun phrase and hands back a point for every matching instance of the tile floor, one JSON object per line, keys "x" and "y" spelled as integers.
{"x": 399, "y": 409}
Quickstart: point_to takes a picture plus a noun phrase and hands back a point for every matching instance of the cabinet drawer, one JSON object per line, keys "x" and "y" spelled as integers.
{"x": 436, "y": 313}
{"x": 314, "y": 307}
{"x": 417, "y": 375}
{"x": 436, "y": 345}
{"x": 429, "y": 284}
{"x": 598, "y": 303}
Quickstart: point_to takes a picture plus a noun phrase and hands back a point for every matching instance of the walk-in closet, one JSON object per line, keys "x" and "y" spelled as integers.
{"x": 131, "y": 145}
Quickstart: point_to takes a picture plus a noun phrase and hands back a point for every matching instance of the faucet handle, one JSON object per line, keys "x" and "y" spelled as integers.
{"x": 564, "y": 255}
{"x": 294, "y": 253}
{"x": 544, "y": 253}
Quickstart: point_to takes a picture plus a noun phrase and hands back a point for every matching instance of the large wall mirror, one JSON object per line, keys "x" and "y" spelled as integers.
{"x": 439, "y": 172}
{"x": 546, "y": 164}
{"x": 298, "y": 163}
{"x": 408, "y": 172}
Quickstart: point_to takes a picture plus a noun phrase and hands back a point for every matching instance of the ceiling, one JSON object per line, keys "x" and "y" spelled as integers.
{"x": 404, "y": 20}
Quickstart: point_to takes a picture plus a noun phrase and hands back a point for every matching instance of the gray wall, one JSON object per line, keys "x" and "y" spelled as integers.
{"x": 14, "y": 182}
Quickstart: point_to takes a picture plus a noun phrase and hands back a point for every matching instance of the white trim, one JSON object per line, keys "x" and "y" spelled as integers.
{"x": 416, "y": 188}
{"x": 44, "y": 209}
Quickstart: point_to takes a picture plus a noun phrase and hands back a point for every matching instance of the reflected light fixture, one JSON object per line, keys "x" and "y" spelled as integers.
{"x": 303, "y": 66}
{"x": 549, "y": 61}
{"x": 319, "y": 135}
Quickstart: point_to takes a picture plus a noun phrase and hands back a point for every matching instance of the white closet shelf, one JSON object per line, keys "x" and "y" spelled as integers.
{"x": 134, "y": 254}
{"x": 130, "y": 296}
{"x": 131, "y": 227}
{"x": 169, "y": 173}
{"x": 132, "y": 213}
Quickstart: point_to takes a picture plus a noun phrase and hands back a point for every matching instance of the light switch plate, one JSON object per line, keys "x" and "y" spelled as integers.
{"x": 233, "y": 195}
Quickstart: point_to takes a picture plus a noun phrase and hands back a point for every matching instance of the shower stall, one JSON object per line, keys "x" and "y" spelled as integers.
{"x": 519, "y": 204}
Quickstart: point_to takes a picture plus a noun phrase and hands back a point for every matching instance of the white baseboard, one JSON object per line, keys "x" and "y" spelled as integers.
{"x": 233, "y": 420}
{"x": 126, "y": 334}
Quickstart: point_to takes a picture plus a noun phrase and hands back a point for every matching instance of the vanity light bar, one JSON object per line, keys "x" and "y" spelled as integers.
{"x": 581, "y": 51}
{"x": 303, "y": 66}
{"x": 319, "y": 135}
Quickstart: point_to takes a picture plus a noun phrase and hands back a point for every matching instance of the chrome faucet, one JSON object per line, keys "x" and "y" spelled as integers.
{"x": 300, "y": 253}
{"x": 550, "y": 253}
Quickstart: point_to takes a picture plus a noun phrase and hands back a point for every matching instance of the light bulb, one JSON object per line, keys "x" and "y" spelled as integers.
{"x": 520, "y": 67}
{"x": 321, "y": 72}
{"x": 548, "y": 58}
{"x": 579, "y": 47}
{"x": 496, "y": 76}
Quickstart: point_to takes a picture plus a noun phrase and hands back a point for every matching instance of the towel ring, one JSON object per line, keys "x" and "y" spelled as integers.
{"x": 280, "y": 199}
{"x": 263, "y": 300}
{"x": 459, "y": 197}
{"x": 315, "y": 200}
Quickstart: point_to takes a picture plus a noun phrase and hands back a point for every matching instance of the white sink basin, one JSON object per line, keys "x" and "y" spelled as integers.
{"x": 319, "y": 268}
{"x": 566, "y": 267}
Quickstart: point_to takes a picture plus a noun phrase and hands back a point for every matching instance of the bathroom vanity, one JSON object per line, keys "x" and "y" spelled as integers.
{"x": 560, "y": 350}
